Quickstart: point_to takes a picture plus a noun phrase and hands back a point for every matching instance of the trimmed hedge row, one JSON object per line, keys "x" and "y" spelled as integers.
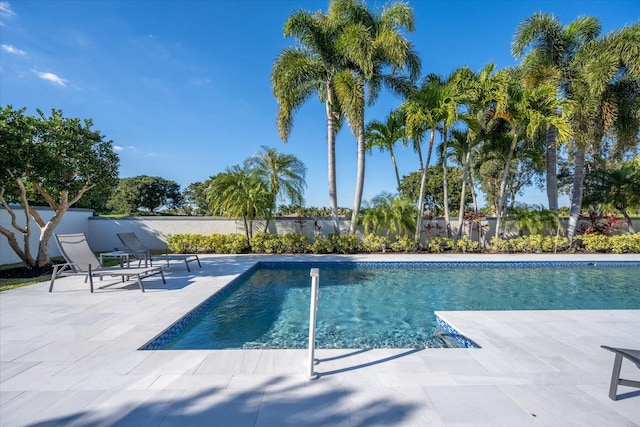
{"x": 296, "y": 243}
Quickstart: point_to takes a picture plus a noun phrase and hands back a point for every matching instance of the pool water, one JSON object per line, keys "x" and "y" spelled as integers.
{"x": 389, "y": 305}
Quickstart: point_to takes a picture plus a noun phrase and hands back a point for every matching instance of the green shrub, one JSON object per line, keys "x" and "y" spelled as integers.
{"x": 294, "y": 243}
{"x": 322, "y": 245}
{"x": 373, "y": 243}
{"x": 265, "y": 243}
{"x": 618, "y": 243}
{"x": 404, "y": 244}
{"x": 534, "y": 243}
{"x": 440, "y": 244}
{"x": 346, "y": 244}
{"x": 211, "y": 244}
{"x": 465, "y": 244}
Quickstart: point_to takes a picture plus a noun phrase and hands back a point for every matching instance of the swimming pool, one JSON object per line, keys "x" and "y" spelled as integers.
{"x": 389, "y": 305}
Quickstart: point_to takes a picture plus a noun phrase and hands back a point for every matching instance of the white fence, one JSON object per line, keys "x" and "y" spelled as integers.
{"x": 153, "y": 231}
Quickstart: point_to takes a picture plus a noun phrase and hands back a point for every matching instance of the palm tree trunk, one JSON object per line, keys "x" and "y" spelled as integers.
{"x": 463, "y": 192}
{"x": 423, "y": 182}
{"x": 502, "y": 196}
{"x": 359, "y": 178}
{"x": 576, "y": 194}
{"x": 331, "y": 164}
{"x": 445, "y": 184}
{"x": 628, "y": 218}
{"x": 395, "y": 167}
{"x": 552, "y": 173}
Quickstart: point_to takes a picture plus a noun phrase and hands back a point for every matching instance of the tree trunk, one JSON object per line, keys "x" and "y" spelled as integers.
{"x": 576, "y": 194}
{"x": 445, "y": 184}
{"x": 331, "y": 163}
{"x": 552, "y": 172}
{"x": 628, "y": 218}
{"x": 423, "y": 181}
{"x": 463, "y": 193}
{"x": 357, "y": 202}
{"x": 502, "y": 196}
{"x": 395, "y": 167}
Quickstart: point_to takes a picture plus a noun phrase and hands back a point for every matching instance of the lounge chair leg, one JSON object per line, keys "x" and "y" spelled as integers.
{"x": 162, "y": 275}
{"x": 615, "y": 377}
{"x": 187, "y": 264}
{"x": 198, "y": 259}
{"x": 53, "y": 276}
{"x": 140, "y": 283}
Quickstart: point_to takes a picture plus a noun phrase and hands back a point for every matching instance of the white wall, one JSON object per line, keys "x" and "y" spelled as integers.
{"x": 73, "y": 221}
{"x": 153, "y": 231}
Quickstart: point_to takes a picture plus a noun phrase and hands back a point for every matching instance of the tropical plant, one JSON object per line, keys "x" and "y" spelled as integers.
{"x": 377, "y": 53}
{"x": 425, "y": 109}
{"x": 283, "y": 174}
{"x": 618, "y": 188}
{"x": 526, "y": 111}
{"x": 384, "y": 135}
{"x": 550, "y": 49}
{"x": 237, "y": 193}
{"x": 606, "y": 88}
{"x": 312, "y": 66}
{"x": 53, "y": 160}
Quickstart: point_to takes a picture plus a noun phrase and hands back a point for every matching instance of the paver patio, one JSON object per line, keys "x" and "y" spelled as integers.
{"x": 70, "y": 358}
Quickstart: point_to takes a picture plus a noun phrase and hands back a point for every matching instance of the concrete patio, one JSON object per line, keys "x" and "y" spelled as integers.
{"x": 70, "y": 358}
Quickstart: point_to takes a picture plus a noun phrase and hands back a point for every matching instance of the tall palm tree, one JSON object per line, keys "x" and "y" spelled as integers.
{"x": 283, "y": 174}
{"x": 312, "y": 67}
{"x": 238, "y": 193}
{"x": 385, "y": 135}
{"x": 601, "y": 68}
{"x": 377, "y": 54}
{"x": 550, "y": 49}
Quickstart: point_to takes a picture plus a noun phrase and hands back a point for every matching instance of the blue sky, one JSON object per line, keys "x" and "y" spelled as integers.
{"x": 183, "y": 87}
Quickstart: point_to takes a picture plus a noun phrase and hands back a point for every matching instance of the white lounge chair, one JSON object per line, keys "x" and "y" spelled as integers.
{"x": 81, "y": 261}
{"x": 137, "y": 249}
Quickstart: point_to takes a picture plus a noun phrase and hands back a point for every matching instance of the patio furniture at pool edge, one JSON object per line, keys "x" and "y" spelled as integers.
{"x": 81, "y": 261}
{"x": 137, "y": 249}
{"x": 631, "y": 355}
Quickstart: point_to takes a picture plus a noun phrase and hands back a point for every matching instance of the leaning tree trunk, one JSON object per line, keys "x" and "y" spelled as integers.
{"x": 576, "y": 194}
{"x": 357, "y": 201}
{"x": 551, "y": 163}
{"x": 628, "y": 218}
{"x": 423, "y": 182}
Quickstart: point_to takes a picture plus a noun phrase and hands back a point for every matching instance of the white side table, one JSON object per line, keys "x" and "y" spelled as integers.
{"x": 121, "y": 255}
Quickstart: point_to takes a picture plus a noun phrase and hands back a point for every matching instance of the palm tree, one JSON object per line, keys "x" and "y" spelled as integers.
{"x": 313, "y": 66}
{"x": 376, "y": 52}
{"x": 384, "y": 135}
{"x": 551, "y": 49}
{"x": 283, "y": 174}
{"x": 237, "y": 193}
{"x": 601, "y": 68}
{"x": 483, "y": 94}
{"x": 389, "y": 212}
{"x": 526, "y": 111}
{"x": 424, "y": 110}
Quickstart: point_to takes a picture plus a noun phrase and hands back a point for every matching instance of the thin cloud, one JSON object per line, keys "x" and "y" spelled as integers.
{"x": 53, "y": 78}
{"x": 118, "y": 148}
{"x": 14, "y": 50}
{"x": 5, "y": 9}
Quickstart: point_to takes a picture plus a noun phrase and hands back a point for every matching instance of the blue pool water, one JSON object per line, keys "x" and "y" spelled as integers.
{"x": 388, "y": 305}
